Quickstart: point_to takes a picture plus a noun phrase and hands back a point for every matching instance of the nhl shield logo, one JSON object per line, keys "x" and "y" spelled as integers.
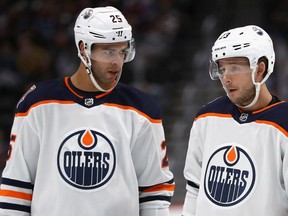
{"x": 89, "y": 101}
{"x": 230, "y": 175}
{"x": 86, "y": 159}
{"x": 243, "y": 117}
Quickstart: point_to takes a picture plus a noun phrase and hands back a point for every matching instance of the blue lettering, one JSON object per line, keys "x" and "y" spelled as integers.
{"x": 86, "y": 168}
{"x": 226, "y": 184}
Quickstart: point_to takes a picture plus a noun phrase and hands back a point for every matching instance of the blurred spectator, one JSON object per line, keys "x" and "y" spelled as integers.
{"x": 32, "y": 61}
{"x": 8, "y": 74}
{"x": 276, "y": 20}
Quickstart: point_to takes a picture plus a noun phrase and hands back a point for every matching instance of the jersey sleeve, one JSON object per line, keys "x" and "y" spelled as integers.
{"x": 285, "y": 165}
{"x": 192, "y": 171}
{"x": 156, "y": 183}
{"x": 18, "y": 175}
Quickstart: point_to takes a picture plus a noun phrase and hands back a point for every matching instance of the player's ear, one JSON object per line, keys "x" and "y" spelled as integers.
{"x": 261, "y": 71}
{"x": 81, "y": 48}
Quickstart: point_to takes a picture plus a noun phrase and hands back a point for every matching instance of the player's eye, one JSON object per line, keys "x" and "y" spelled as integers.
{"x": 234, "y": 69}
{"x": 108, "y": 52}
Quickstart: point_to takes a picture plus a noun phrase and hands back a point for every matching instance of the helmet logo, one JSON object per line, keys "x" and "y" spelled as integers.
{"x": 258, "y": 31}
{"x": 225, "y": 35}
{"x": 88, "y": 14}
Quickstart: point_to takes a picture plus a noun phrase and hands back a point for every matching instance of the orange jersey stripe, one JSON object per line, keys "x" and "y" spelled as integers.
{"x": 102, "y": 95}
{"x": 70, "y": 89}
{"x": 257, "y": 121}
{"x": 41, "y": 103}
{"x": 80, "y": 96}
{"x": 214, "y": 114}
{"x": 160, "y": 188}
{"x": 268, "y": 107}
{"x": 274, "y": 125}
{"x": 14, "y": 194}
{"x": 134, "y": 109}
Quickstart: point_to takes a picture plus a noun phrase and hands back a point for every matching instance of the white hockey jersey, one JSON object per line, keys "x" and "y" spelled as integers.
{"x": 237, "y": 162}
{"x": 78, "y": 153}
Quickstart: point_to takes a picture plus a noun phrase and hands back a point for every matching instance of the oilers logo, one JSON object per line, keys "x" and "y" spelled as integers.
{"x": 230, "y": 175}
{"x": 86, "y": 159}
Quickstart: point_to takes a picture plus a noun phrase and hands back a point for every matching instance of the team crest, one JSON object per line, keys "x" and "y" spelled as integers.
{"x": 230, "y": 175}
{"x": 86, "y": 159}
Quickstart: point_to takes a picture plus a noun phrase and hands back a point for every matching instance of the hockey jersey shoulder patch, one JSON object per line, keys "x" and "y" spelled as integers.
{"x": 32, "y": 88}
{"x": 51, "y": 90}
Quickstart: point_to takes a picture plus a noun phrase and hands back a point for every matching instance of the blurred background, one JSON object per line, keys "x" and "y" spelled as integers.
{"x": 173, "y": 48}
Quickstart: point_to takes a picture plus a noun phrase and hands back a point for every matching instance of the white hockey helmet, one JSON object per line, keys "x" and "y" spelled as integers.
{"x": 103, "y": 25}
{"x": 249, "y": 41}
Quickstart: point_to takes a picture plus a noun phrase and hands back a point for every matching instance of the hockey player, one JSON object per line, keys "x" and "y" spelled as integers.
{"x": 237, "y": 159}
{"x": 86, "y": 144}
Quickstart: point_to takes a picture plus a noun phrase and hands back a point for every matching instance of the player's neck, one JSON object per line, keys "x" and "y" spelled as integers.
{"x": 81, "y": 80}
{"x": 264, "y": 99}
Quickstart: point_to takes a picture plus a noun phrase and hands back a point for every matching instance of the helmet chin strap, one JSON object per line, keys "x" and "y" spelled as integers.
{"x": 87, "y": 64}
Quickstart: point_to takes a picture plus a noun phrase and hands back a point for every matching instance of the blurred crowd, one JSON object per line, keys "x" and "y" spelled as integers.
{"x": 173, "y": 43}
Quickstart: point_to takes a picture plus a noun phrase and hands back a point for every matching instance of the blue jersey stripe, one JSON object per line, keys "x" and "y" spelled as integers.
{"x": 17, "y": 207}
{"x": 16, "y": 183}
